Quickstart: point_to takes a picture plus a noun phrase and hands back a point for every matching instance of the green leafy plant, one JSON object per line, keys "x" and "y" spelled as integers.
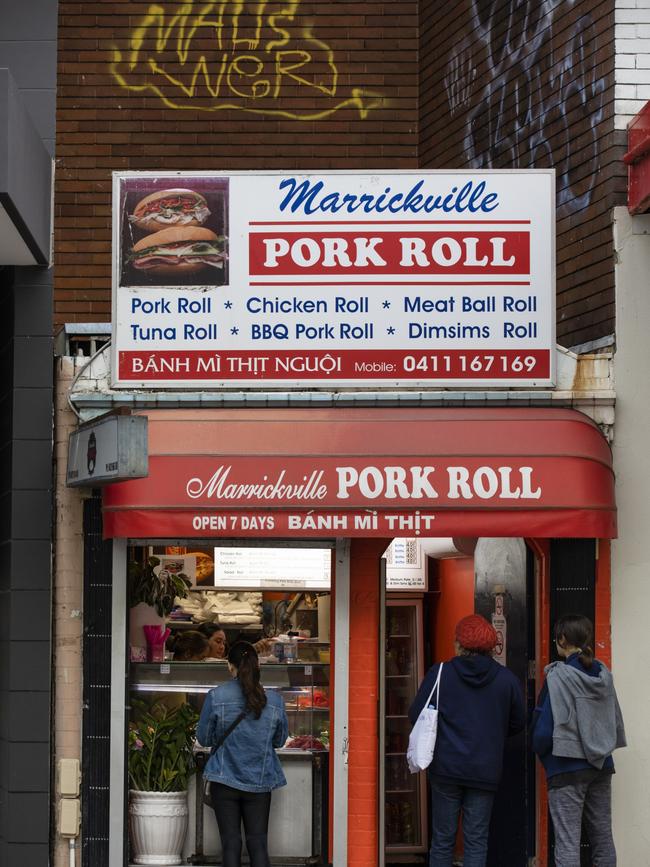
{"x": 158, "y": 590}
{"x": 160, "y": 746}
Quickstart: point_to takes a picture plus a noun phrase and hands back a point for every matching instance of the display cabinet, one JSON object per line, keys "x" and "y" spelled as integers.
{"x": 405, "y": 820}
{"x": 298, "y": 823}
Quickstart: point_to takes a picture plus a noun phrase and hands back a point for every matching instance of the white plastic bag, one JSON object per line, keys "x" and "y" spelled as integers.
{"x": 422, "y": 740}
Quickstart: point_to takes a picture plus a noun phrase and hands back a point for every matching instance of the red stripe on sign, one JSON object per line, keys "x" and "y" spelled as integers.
{"x": 350, "y": 482}
{"x": 175, "y": 524}
{"x": 333, "y": 365}
{"x": 389, "y": 222}
{"x": 478, "y": 284}
{"x": 389, "y": 253}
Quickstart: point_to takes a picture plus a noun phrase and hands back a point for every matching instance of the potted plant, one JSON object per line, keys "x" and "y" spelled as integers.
{"x": 161, "y": 763}
{"x": 151, "y": 593}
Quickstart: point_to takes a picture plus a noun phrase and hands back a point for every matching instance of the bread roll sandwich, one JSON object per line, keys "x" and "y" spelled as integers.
{"x": 204, "y": 567}
{"x": 166, "y": 208}
{"x": 179, "y": 251}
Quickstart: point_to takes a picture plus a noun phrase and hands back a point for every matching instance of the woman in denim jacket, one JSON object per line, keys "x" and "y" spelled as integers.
{"x": 245, "y": 768}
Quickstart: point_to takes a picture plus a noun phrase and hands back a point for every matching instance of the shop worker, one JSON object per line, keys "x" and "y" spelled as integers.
{"x": 216, "y": 638}
{"x": 190, "y": 646}
{"x": 480, "y": 705}
{"x": 244, "y": 725}
{"x": 576, "y": 725}
{"x": 219, "y": 644}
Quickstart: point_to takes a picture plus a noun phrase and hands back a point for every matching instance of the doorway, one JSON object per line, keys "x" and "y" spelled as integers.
{"x": 492, "y": 577}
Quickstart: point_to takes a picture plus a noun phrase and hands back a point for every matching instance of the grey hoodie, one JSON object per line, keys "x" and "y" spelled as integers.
{"x": 586, "y": 713}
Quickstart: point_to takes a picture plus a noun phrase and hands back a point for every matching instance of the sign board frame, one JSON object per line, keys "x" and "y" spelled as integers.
{"x": 259, "y": 316}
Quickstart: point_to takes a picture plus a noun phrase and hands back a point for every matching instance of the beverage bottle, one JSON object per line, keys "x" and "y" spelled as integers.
{"x": 406, "y": 816}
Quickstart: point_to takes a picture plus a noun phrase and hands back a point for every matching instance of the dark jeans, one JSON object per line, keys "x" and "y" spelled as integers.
{"x": 231, "y": 807}
{"x": 447, "y": 800}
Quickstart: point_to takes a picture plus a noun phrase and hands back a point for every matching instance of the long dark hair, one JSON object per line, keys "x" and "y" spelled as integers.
{"x": 187, "y": 646}
{"x": 243, "y": 657}
{"x": 577, "y": 631}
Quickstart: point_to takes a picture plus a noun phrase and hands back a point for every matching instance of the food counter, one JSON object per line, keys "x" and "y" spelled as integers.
{"x": 298, "y": 823}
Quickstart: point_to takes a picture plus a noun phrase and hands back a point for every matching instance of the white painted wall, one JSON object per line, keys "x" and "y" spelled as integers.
{"x": 631, "y": 551}
{"x": 632, "y": 64}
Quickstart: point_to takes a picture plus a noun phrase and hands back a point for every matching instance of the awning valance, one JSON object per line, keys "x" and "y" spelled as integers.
{"x": 368, "y": 472}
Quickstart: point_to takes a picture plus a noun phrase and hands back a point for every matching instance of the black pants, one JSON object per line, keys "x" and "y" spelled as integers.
{"x": 231, "y": 807}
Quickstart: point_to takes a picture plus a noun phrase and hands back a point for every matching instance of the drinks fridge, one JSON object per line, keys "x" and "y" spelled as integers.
{"x": 405, "y": 796}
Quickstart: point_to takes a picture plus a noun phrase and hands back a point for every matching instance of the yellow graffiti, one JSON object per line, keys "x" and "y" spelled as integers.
{"x": 236, "y": 54}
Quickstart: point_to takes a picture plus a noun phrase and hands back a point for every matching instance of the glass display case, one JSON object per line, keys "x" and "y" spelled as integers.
{"x": 298, "y": 823}
{"x": 404, "y": 793}
{"x": 303, "y": 685}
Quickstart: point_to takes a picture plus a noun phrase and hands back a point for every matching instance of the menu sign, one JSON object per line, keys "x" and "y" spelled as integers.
{"x": 405, "y": 565}
{"x": 272, "y": 568}
{"x": 411, "y": 279}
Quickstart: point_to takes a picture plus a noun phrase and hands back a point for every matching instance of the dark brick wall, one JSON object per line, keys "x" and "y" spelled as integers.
{"x": 28, "y": 49}
{"x": 521, "y": 83}
{"x": 500, "y": 83}
{"x": 310, "y": 116}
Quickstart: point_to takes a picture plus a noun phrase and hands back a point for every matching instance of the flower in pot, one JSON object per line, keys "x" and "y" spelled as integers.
{"x": 160, "y": 765}
{"x": 152, "y": 592}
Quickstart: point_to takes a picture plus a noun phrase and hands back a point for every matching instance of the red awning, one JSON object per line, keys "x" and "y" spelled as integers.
{"x": 368, "y": 472}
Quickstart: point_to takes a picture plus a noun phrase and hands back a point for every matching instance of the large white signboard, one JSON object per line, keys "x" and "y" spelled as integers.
{"x": 410, "y": 279}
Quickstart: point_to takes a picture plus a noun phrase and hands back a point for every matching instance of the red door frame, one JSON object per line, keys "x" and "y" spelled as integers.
{"x": 363, "y": 785}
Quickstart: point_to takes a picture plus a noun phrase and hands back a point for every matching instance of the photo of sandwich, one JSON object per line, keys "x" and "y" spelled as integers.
{"x": 165, "y": 208}
{"x": 174, "y": 235}
{"x": 180, "y": 252}
{"x": 204, "y": 568}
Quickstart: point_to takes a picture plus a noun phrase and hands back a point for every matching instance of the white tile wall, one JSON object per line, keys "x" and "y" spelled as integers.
{"x": 632, "y": 75}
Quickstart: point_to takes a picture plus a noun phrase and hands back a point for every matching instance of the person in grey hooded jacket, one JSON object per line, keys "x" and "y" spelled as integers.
{"x": 576, "y": 726}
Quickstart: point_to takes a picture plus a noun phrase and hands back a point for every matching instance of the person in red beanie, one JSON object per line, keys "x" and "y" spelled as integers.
{"x": 480, "y": 704}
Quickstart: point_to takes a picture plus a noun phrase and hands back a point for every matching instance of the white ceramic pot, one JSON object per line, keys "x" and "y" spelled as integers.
{"x": 158, "y": 822}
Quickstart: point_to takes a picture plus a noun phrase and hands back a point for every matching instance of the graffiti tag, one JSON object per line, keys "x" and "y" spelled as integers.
{"x": 529, "y": 92}
{"x": 248, "y": 56}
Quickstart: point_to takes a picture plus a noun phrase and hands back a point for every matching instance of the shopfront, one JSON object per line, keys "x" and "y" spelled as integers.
{"x": 280, "y": 517}
{"x": 325, "y": 364}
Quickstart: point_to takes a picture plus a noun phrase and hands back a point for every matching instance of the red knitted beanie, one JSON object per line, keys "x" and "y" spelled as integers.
{"x": 475, "y": 633}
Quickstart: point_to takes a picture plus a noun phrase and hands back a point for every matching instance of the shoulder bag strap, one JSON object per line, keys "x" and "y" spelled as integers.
{"x": 435, "y": 688}
{"x": 231, "y": 728}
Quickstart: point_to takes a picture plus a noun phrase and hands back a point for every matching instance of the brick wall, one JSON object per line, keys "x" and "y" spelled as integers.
{"x": 632, "y": 32}
{"x": 500, "y": 84}
{"x": 531, "y": 84}
{"x": 351, "y": 104}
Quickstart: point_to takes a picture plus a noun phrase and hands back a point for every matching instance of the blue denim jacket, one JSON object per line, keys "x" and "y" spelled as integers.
{"x": 247, "y": 759}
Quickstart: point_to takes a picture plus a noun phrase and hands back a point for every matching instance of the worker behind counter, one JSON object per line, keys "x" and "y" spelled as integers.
{"x": 218, "y": 642}
{"x": 190, "y": 646}
{"x": 216, "y": 638}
